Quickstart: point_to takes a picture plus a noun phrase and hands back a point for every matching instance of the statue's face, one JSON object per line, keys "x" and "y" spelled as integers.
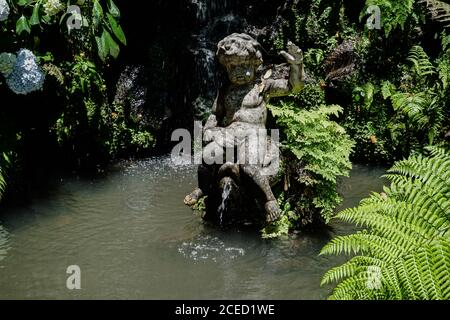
{"x": 241, "y": 73}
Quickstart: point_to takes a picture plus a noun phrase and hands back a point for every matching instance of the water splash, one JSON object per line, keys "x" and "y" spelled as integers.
{"x": 208, "y": 248}
{"x": 225, "y": 195}
{"x": 131, "y": 86}
{"x": 206, "y": 9}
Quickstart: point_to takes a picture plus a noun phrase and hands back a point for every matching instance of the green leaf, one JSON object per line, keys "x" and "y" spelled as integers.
{"x": 34, "y": 20}
{"x": 107, "y": 46}
{"x": 22, "y": 25}
{"x": 113, "y": 9}
{"x": 46, "y": 19}
{"x": 83, "y": 85}
{"x": 6, "y": 157}
{"x": 102, "y": 47}
{"x": 97, "y": 13}
{"x": 22, "y": 2}
{"x": 117, "y": 29}
{"x": 90, "y": 64}
{"x": 369, "y": 91}
{"x": 47, "y": 57}
{"x": 114, "y": 48}
{"x": 387, "y": 89}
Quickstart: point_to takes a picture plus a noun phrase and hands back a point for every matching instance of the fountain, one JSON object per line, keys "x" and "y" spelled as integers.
{"x": 226, "y": 191}
{"x": 238, "y": 123}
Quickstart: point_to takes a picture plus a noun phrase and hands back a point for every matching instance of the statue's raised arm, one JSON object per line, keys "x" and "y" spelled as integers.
{"x": 284, "y": 87}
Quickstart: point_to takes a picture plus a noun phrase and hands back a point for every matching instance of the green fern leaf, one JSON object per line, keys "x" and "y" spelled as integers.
{"x": 407, "y": 236}
{"x": 439, "y": 10}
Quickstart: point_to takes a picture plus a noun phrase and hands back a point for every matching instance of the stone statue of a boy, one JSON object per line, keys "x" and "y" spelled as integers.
{"x": 240, "y": 107}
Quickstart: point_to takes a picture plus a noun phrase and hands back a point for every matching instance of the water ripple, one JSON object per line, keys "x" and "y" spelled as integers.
{"x": 4, "y": 243}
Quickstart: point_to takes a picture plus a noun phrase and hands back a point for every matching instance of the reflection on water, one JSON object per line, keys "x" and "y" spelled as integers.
{"x": 132, "y": 237}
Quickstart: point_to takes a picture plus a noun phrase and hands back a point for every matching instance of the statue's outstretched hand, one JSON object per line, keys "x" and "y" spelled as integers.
{"x": 294, "y": 55}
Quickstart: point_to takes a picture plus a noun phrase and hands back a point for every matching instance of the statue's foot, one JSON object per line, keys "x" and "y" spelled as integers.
{"x": 273, "y": 212}
{"x": 192, "y": 198}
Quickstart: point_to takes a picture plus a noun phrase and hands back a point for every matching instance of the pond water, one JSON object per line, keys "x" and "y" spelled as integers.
{"x": 133, "y": 238}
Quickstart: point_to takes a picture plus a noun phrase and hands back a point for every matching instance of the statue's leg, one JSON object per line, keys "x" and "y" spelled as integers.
{"x": 251, "y": 153}
{"x": 205, "y": 178}
{"x": 212, "y": 153}
{"x": 273, "y": 212}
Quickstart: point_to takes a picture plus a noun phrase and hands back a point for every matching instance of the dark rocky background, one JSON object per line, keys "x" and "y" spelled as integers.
{"x": 175, "y": 40}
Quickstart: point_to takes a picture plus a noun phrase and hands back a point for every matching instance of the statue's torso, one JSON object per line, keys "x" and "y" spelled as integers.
{"x": 244, "y": 106}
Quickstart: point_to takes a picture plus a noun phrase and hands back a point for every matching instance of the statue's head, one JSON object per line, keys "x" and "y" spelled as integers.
{"x": 241, "y": 55}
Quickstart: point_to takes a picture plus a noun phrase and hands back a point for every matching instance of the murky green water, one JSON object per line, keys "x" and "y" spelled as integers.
{"x": 133, "y": 238}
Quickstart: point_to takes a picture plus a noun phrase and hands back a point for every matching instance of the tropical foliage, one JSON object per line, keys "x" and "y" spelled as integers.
{"x": 392, "y": 84}
{"x": 98, "y": 20}
{"x": 394, "y": 101}
{"x": 70, "y": 77}
{"x": 316, "y": 151}
{"x": 403, "y": 251}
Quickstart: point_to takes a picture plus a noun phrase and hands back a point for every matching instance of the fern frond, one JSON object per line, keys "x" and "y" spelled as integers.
{"x": 350, "y": 268}
{"x": 54, "y": 71}
{"x": 421, "y": 61}
{"x": 2, "y": 183}
{"x": 382, "y": 219}
{"x": 439, "y": 10}
{"x": 413, "y": 105}
{"x": 321, "y": 145}
{"x": 359, "y": 288}
{"x": 429, "y": 171}
{"x": 427, "y": 271}
{"x": 4, "y": 161}
{"x": 363, "y": 243}
{"x": 443, "y": 69}
{"x": 407, "y": 236}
